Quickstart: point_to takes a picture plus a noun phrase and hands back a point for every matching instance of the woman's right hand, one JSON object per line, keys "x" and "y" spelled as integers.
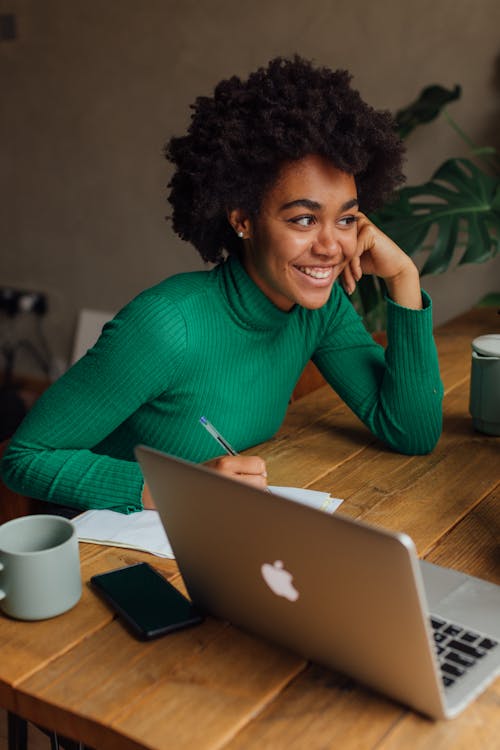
{"x": 249, "y": 469}
{"x": 147, "y": 499}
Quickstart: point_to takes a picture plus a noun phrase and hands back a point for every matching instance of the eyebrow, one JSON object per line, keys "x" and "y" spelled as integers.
{"x": 315, "y": 206}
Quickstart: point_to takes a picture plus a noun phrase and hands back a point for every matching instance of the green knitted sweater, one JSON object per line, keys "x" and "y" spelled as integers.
{"x": 211, "y": 343}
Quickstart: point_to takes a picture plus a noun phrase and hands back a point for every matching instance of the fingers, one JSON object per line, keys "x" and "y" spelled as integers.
{"x": 367, "y": 234}
{"x": 353, "y": 271}
{"x": 378, "y": 253}
{"x": 249, "y": 469}
{"x": 352, "y": 274}
{"x": 147, "y": 499}
{"x": 348, "y": 281}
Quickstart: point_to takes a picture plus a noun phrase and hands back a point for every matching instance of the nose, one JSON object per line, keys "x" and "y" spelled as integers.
{"x": 327, "y": 242}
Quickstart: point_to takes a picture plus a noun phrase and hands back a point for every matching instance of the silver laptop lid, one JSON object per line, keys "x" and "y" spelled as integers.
{"x": 351, "y": 594}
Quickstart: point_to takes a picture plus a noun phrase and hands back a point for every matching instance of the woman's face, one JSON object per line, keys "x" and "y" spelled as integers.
{"x": 304, "y": 234}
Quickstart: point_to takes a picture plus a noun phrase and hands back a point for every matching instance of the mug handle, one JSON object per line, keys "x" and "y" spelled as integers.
{"x": 2, "y": 593}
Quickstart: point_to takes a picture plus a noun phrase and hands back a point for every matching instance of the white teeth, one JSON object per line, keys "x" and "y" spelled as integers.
{"x": 316, "y": 273}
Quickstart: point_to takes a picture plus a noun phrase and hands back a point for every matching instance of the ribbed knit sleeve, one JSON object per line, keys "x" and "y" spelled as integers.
{"x": 398, "y": 392}
{"x": 51, "y": 456}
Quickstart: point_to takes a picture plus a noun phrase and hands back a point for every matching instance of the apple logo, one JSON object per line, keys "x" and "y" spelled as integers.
{"x": 279, "y": 580}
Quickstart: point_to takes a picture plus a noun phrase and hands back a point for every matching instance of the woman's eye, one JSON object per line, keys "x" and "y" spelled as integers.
{"x": 303, "y": 221}
{"x": 347, "y": 221}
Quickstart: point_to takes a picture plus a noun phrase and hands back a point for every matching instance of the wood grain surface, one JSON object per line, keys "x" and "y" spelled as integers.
{"x": 216, "y": 686}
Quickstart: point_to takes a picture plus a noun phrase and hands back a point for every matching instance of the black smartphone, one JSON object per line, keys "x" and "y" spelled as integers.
{"x": 145, "y": 600}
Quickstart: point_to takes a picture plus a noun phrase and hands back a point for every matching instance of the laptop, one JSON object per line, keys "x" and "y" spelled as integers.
{"x": 337, "y": 591}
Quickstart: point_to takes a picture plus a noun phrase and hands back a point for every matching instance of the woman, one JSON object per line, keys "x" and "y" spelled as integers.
{"x": 271, "y": 183}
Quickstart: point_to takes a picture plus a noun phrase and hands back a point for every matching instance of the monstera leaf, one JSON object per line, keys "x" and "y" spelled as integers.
{"x": 426, "y": 108}
{"x": 461, "y": 202}
{"x": 454, "y": 217}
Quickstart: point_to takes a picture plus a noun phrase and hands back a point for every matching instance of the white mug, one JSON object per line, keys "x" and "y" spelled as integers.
{"x": 39, "y": 567}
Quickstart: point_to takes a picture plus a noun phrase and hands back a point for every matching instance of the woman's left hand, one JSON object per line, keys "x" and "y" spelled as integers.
{"x": 377, "y": 254}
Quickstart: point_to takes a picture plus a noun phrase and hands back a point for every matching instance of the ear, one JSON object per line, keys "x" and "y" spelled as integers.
{"x": 240, "y": 222}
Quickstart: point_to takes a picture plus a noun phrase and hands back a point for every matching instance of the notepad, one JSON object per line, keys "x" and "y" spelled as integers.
{"x": 315, "y": 499}
{"x": 144, "y": 530}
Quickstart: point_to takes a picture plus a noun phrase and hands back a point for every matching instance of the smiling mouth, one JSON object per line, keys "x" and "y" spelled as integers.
{"x": 316, "y": 272}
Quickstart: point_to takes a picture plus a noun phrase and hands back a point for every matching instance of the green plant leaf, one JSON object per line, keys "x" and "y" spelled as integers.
{"x": 427, "y": 107}
{"x": 460, "y": 201}
{"x": 458, "y": 209}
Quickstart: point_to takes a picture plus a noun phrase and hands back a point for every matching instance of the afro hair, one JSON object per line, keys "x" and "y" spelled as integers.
{"x": 239, "y": 139}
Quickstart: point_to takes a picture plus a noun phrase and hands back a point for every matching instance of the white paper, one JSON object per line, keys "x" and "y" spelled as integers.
{"x": 315, "y": 499}
{"x": 144, "y": 531}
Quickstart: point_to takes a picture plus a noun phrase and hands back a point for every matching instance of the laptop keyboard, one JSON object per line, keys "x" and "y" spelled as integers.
{"x": 458, "y": 649}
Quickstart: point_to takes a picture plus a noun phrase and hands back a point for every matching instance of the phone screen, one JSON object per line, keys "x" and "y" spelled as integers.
{"x": 148, "y": 603}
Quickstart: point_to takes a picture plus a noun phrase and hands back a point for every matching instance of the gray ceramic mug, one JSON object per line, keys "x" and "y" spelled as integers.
{"x": 39, "y": 567}
{"x": 484, "y": 402}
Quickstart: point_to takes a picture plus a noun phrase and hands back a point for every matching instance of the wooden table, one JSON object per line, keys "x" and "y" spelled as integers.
{"x": 217, "y": 687}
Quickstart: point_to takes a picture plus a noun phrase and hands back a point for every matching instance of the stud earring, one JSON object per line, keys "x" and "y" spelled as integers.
{"x": 240, "y": 235}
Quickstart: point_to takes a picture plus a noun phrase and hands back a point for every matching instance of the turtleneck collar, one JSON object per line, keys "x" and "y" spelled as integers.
{"x": 248, "y": 305}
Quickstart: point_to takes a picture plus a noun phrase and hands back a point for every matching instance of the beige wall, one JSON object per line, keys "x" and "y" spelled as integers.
{"x": 91, "y": 90}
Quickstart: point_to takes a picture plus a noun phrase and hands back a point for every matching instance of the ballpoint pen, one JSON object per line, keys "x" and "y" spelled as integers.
{"x": 222, "y": 441}
{"x": 217, "y": 436}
